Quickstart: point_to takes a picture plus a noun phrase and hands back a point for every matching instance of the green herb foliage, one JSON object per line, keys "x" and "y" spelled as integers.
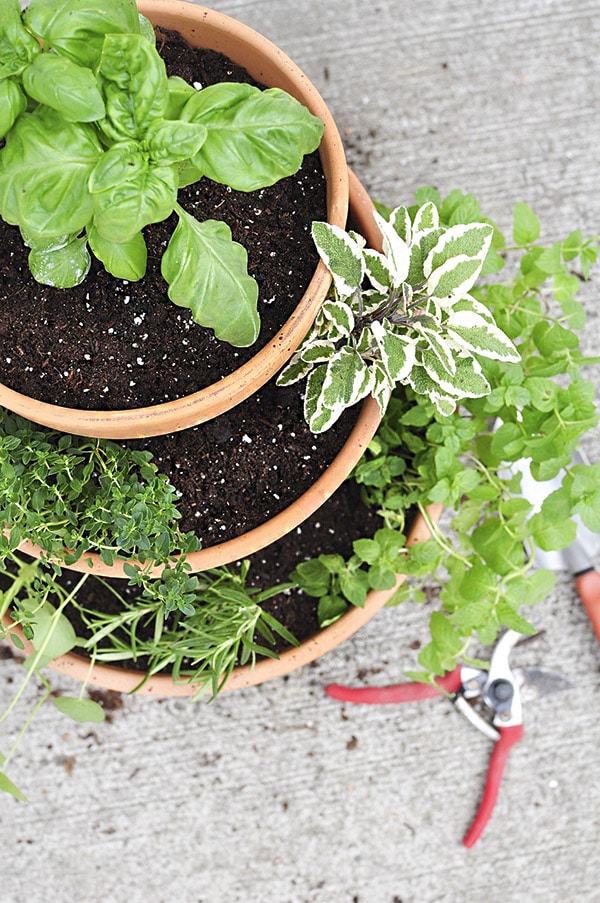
{"x": 221, "y": 625}
{"x": 537, "y": 408}
{"x": 98, "y": 141}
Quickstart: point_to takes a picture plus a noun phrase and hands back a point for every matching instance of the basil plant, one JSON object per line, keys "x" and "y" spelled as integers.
{"x": 98, "y": 141}
{"x": 406, "y": 315}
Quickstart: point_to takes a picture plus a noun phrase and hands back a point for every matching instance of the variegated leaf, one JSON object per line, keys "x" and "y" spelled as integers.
{"x": 378, "y": 270}
{"x": 399, "y": 220}
{"x": 341, "y": 255}
{"x": 445, "y": 404}
{"x": 382, "y": 387}
{"x": 294, "y": 371}
{"x": 398, "y": 352}
{"x": 467, "y": 382}
{"x": 439, "y": 347}
{"x": 468, "y": 302}
{"x": 333, "y": 387}
{"x": 426, "y": 218}
{"x": 347, "y": 379}
{"x": 317, "y": 352}
{"x": 454, "y": 263}
{"x": 471, "y": 331}
{"x": 340, "y": 319}
{"x": 395, "y": 250}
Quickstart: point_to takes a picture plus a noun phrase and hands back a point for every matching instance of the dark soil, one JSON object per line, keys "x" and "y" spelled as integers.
{"x": 109, "y": 344}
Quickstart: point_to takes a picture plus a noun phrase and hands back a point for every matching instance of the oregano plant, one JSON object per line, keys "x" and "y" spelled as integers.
{"x": 99, "y": 140}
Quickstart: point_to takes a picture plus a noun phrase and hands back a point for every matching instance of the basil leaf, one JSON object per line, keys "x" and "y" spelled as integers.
{"x": 44, "y": 171}
{"x": 254, "y": 137}
{"x": 134, "y": 82}
{"x": 61, "y": 267}
{"x": 52, "y": 631}
{"x": 179, "y": 94}
{"x": 126, "y": 208}
{"x": 17, "y": 47}
{"x": 12, "y": 103}
{"x": 125, "y": 260}
{"x": 174, "y": 142}
{"x": 120, "y": 163}
{"x": 63, "y": 85}
{"x": 76, "y": 28}
{"x": 207, "y": 272}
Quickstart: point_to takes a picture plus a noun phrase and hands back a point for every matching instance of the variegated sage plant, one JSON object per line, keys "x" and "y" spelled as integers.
{"x": 402, "y": 316}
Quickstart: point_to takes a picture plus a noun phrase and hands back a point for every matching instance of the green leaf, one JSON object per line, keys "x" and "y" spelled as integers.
{"x": 134, "y": 82}
{"x": 54, "y": 633}
{"x": 255, "y": 138}
{"x": 81, "y": 710}
{"x": 526, "y": 225}
{"x": 207, "y": 273}
{"x": 341, "y": 255}
{"x": 120, "y": 163}
{"x": 123, "y": 211}
{"x": 180, "y": 92}
{"x": 76, "y": 28}
{"x": 354, "y": 586}
{"x": 498, "y": 548}
{"x": 444, "y": 636}
{"x": 12, "y": 103}
{"x": 7, "y": 786}
{"x": 17, "y": 47}
{"x": 44, "y": 172}
{"x": 330, "y": 610}
{"x": 124, "y": 260}
{"x": 586, "y": 490}
{"x": 174, "y": 142}
{"x": 552, "y": 527}
{"x": 70, "y": 89}
{"x": 551, "y": 338}
{"x": 62, "y": 267}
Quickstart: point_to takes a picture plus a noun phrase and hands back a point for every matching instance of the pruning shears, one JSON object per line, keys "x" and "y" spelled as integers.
{"x": 490, "y": 699}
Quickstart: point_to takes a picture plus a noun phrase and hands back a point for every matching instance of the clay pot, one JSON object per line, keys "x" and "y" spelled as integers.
{"x": 265, "y": 62}
{"x": 123, "y": 680}
{"x": 361, "y": 214}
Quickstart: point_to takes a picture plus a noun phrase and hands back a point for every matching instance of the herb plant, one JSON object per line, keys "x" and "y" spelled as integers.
{"x": 537, "y": 408}
{"x": 98, "y": 141}
{"x": 418, "y": 324}
{"x": 221, "y": 625}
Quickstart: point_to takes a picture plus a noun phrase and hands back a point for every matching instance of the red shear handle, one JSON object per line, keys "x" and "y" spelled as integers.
{"x": 508, "y": 737}
{"x": 588, "y": 587}
{"x": 407, "y": 692}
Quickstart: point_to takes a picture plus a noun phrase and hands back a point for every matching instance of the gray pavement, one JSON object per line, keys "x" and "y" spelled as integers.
{"x": 277, "y": 793}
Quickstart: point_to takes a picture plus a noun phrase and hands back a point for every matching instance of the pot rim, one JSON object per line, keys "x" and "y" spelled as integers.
{"x": 273, "y": 67}
{"x": 361, "y": 211}
{"x": 123, "y": 680}
{"x": 126, "y": 681}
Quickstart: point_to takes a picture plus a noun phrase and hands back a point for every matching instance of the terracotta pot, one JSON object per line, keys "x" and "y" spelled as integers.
{"x": 361, "y": 214}
{"x": 124, "y": 680}
{"x": 208, "y": 29}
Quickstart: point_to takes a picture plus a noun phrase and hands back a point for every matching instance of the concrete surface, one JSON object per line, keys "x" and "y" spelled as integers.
{"x": 277, "y": 793}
